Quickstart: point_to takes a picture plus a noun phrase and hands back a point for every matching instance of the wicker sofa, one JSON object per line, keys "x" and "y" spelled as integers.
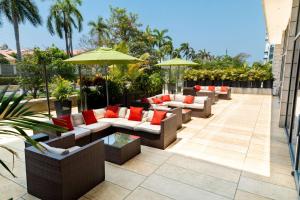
{"x": 55, "y": 176}
{"x": 200, "y": 108}
{"x": 204, "y": 91}
{"x": 158, "y": 136}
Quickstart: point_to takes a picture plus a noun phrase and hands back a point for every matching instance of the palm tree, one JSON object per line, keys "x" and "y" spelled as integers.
{"x": 148, "y": 34}
{"x": 176, "y": 53}
{"x": 18, "y": 11}
{"x": 204, "y": 55}
{"x": 160, "y": 39}
{"x": 185, "y": 49}
{"x": 100, "y": 29}
{"x": 16, "y": 117}
{"x": 64, "y": 15}
{"x": 168, "y": 49}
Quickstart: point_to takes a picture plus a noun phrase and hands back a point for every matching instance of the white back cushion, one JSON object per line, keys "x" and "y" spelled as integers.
{"x": 179, "y": 97}
{"x": 54, "y": 150}
{"x": 77, "y": 119}
{"x": 122, "y": 112}
{"x": 99, "y": 113}
{"x": 200, "y": 100}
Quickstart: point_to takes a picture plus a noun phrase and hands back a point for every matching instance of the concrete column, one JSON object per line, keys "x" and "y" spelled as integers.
{"x": 287, "y": 76}
{"x": 276, "y": 68}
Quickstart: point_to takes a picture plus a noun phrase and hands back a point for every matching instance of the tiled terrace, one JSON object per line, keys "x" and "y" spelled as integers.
{"x": 239, "y": 153}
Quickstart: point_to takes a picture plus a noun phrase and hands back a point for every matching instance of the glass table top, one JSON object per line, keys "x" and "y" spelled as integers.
{"x": 119, "y": 139}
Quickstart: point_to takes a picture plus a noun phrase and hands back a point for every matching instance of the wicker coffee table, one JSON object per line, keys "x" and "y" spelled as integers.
{"x": 186, "y": 115}
{"x": 120, "y": 147}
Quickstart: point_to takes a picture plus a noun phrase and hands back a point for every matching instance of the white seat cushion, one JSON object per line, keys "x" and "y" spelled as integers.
{"x": 54, "y": 150}
{"x": 96, "y": 127}
{"x": 219, "y": 92}
{"x": 194, "y": 105}
{"x": 109, "y": 120}
{"x": 125, "y": 123}
{"x": 176, "y": 104}
{"x": 79, "y": 132}
{"x": 148, "y": 127}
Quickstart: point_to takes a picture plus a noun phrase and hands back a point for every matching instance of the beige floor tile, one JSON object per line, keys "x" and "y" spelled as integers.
{"x": 176, "y": 190}
{"x": 266, "y": 189}
{"x": 29, "y": 197}
{"x": 274, "y": 178}
{"x": 9, "y": 189}
{"x": 202, "y": 181}
{"x": 207, "y": 168}
{"x": 122, "y": 177}
{"x": 107, "y": 191}
{"x": 140, "y": 166}
{"x": 144, "y": 194}
{"x": 242, "y": 195}
{"x": 151, "y": 157}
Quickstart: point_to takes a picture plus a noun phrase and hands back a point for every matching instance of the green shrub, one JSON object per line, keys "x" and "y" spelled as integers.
{"x": 61, "y": 89}
{"x": 8, "y": 80}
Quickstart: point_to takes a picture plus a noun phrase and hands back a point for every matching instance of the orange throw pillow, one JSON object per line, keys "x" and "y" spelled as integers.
{"x": 189, "y": 99}
{"x": 224, "y": 89}
{"x": 112, "y": 112}
{"x": 197, "y": 88}
{"x": 64, "y": 122}
{"x": 157, "y": 100}
{"x": 211, "y": 88}
{"x": 89, "y": 117}
{"x": 136, "y": 113}
{"x": 158, "y": 116}
{"x": 166, "y": 98}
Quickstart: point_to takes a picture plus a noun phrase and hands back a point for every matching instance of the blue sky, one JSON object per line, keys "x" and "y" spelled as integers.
{"x": 216, "y": 25}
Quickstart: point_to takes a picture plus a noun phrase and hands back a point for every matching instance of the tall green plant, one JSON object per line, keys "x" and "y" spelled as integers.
{"x": 61, "y": 89}
{"x": 16, "y": 117}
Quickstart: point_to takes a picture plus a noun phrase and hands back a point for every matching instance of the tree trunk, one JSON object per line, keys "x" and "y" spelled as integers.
{"x": 17, "y": 37}
{"x": 71, "y": 43}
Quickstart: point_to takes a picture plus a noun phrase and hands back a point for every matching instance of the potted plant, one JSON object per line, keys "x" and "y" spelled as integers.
{"x": 62, "y": 90}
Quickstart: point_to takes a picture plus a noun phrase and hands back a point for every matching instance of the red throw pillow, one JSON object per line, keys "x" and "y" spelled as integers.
{"x": 157, "y": 100}
{"x": 89, "y": 117}
{"x": 166, "y": 98}
{"x": 64, "y": 121}
{"x": 158, "y": 116}
{"x": 211, "y": 88}
{"x": 197, "y": 88}
{"x": 189, "y": 99}
{"x": 112, "y": 112}
{"x": 136, "y": 113}
{"x": 224, "y": 89}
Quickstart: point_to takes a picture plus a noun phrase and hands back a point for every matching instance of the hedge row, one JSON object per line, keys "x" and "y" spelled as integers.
{"x": 230, "y": 74}
{"x": 8, "y": 80}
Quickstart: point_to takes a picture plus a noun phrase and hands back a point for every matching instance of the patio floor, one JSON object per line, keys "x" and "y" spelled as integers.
{"x": 239, "y": 153}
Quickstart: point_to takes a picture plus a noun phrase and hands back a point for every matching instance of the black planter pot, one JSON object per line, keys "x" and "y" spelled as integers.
{"x": 268, "y": 84}
{"x": 256, "y": 84}
{"x": 63, "y": 107}
{"x": 235, "y": 84}
{"x": 244, "y": 84}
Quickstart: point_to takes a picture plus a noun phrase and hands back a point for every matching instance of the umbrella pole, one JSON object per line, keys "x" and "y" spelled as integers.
{"x": 106, "y": 86}
{"x": 80, "y": 88}
{"x": 47, "y": 89}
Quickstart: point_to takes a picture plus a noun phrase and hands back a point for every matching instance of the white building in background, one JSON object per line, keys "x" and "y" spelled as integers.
{"x": 269, "y": 50}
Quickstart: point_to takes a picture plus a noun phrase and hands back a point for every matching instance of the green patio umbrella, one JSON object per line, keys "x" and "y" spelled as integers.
{"x": 104, "y": 57}
{"x": 177, "y": 62}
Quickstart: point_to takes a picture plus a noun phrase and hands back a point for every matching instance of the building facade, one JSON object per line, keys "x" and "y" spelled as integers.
{"x": 283, "y": 26}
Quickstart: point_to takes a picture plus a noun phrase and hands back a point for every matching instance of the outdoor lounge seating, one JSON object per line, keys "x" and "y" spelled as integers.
{"x": 215, "y": 92}
{"x": 159, "y": 136}
{"x": 69, "y": 176}
{"x": 201, "y": 106}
